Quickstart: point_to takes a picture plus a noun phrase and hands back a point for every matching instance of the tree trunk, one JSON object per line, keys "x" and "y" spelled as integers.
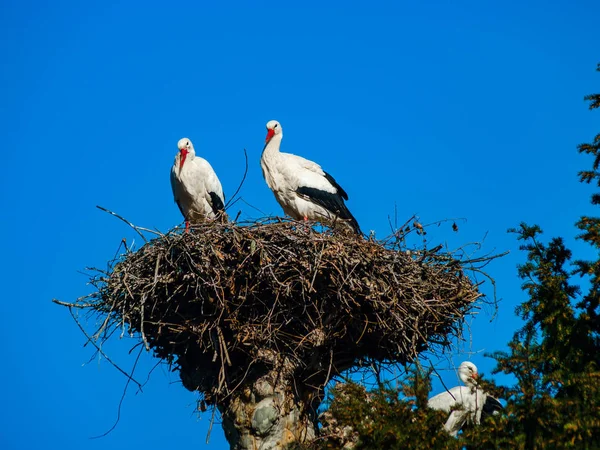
{"x": 268, "y": 413}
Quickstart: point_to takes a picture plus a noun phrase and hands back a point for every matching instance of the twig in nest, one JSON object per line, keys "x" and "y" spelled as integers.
{"x": 90, "y": 340}
{"x": 232, "y": 198}
{"x": 137, "y": 229}
{"x": 122, "y": 397}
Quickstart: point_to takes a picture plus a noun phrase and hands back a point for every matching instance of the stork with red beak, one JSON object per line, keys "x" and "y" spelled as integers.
{"x": 465, "y": 404}
{"x": 302, "y": 188}
{"x": 196, "y": 188}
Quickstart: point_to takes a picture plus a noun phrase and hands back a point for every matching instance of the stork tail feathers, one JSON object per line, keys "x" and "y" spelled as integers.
{"x": 492, "y": 406}
{"x": 333, "y": 203}
{"x": 216, "y": 203}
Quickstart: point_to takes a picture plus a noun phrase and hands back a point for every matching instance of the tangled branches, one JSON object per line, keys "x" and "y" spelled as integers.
{"x": 226, "y": 301}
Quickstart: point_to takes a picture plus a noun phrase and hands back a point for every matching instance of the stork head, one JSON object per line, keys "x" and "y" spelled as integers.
{"x": 185, "y": 147}
{"x": 467, "y": 372}
{"x": 273, "y": 128}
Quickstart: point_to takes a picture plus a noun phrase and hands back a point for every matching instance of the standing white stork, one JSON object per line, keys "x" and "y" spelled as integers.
{"x": 196, "y": 188}
{"x": 302, "y": 188}
{"x": 465, "y": 403}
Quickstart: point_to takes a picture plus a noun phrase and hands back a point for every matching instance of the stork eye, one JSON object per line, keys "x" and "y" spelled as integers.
{"x": 275, "y": 126}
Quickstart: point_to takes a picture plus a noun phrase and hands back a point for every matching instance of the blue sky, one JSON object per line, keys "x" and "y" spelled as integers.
{"x": 445, "y": 109}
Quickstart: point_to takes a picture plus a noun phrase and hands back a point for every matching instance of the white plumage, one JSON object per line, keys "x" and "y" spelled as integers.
{"x": 196, "y": 188}
{"x": 302, "y": 188}
{"x": 465, "y": 403}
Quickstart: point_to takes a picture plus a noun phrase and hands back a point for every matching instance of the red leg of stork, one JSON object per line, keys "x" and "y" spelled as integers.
{"x": 187, "y": 226}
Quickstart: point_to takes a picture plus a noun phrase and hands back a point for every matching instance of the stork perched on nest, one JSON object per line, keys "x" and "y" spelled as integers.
{"x": 465, "y": 403}
{"x": 302, "y": 188}
{"x": 196, "y": 188}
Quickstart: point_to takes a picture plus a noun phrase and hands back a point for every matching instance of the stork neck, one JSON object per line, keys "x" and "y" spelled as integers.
{"x": 272, "y": 147}
{"x": 469, "y": 382}
{"x": 185, "y": 158}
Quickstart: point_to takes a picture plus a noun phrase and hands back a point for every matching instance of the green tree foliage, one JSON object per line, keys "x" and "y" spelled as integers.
{"x": 554, "y": 359}
{"x": 383, "y": 419}
{"x": 556, "y": 401}
{"x": 590, "y": 227}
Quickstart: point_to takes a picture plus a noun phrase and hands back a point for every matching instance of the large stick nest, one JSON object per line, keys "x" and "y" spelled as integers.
{"x": 225, "y": 300}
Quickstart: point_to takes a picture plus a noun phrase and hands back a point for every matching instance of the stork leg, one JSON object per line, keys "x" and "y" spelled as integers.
{"x": 187, "y": 226}
{"x": 307, "y": 228}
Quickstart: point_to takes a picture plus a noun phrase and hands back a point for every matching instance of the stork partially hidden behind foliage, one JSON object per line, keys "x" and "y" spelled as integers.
{"x": 196, "y": 188}
{"x": 465, "y": 403}
{"x": 302, "y": 188}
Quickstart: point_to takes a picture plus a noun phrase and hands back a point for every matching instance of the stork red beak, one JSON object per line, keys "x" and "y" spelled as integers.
{"x": 474, "y": 376}
{"x": 270, "y": 133}
{"x": 183, "y": 152}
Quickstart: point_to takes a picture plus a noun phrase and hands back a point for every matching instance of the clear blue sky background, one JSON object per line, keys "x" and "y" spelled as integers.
{"x": 446, "y": 109}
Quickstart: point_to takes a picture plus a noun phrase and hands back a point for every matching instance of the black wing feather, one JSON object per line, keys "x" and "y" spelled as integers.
{"x": 492, "y": 406}
{"x": 336, "y": 185}
{"x": 216, "y": 203}
{"x": 333, "y": 203}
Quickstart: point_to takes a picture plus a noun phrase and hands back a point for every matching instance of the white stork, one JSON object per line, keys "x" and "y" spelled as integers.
{"x": 302, "y": 188}
{"x": 196, "y": 188}
{"x": 465, "y": 403}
